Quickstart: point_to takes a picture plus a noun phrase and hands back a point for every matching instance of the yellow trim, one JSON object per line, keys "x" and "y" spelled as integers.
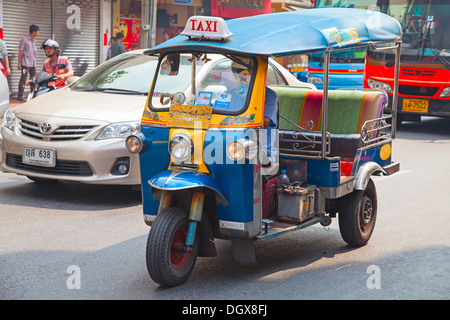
{"x": 361, "y": 109}
{"x": 252, "y": 117}
{"x": 303, "y": 108}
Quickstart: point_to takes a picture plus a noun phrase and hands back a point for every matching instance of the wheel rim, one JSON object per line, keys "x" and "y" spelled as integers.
{"x": 178, "y": 257}
{"x": 366, "y": 213}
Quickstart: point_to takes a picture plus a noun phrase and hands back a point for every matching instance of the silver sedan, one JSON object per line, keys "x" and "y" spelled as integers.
{"x": 77, "y": 133}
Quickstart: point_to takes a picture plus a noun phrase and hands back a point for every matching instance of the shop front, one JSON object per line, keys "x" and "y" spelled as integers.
{"x": 74, "y": 24}
{"x": 239, "y": 8}
{"x": 172, "y": 15}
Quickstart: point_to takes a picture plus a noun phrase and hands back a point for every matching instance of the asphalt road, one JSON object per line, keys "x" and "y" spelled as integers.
{"x": 75, "y": 241}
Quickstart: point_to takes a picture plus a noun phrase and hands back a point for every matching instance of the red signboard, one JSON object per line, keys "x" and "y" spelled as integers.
{"x": 131, "y": 29}
{"x": 239, "y": 8}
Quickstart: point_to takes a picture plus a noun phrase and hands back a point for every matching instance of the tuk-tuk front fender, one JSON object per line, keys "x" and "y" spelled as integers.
{"x": 173, "y": 180}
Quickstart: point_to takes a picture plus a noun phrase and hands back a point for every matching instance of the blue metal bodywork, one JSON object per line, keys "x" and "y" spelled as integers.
{"x": 154, "y": 160}
{"x": 232, "y": 181}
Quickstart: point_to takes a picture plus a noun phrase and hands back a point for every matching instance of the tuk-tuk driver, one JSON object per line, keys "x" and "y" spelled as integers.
{"x": 270, "y": 124}
{"x": 242, "y": 74}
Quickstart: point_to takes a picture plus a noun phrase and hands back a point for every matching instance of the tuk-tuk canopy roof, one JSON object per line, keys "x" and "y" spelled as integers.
{"x": 307, "y": 30}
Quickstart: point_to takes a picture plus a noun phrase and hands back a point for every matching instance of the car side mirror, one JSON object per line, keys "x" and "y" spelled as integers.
{"x": 71, "y": 80}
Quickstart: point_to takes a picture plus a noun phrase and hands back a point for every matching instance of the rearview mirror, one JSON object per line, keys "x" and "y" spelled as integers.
{"x": 170, "y": 65}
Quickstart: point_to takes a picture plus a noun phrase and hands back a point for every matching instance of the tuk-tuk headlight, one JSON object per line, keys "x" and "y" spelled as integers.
{"x": 181, "y": 147}
{"x": 134, "y": 144}
{"x": 238, "y": 149}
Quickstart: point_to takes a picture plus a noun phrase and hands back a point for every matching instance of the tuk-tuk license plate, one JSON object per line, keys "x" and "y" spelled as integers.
{"x": 413, "y": 105}
{"x": 39, "y": 157}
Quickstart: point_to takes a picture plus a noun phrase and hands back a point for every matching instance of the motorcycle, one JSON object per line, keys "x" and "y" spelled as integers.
{"x": 45, "y": 82}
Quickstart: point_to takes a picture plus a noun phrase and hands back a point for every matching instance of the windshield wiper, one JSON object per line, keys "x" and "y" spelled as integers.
{"x": 115, "y": 90}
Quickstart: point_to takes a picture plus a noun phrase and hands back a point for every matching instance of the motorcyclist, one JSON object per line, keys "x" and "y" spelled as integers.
{"x": 53, "y": 52}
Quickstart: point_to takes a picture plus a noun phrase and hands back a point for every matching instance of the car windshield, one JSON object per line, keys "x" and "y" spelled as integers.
{"x": 219, "y": 81}
{"x": 128, "y": 73}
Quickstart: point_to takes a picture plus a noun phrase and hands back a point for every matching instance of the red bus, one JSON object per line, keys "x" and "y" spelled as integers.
{"x": 424, "y": 81}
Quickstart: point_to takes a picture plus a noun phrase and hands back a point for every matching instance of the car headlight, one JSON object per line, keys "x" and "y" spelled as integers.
{"x": 119, "y": 130}
{"x": 445, "y": 92}
{"x": 181, "y": 147}
{"x": 315, "y": 80}
{"x": 9, "y": 119}
{"x": 379, "y": 85}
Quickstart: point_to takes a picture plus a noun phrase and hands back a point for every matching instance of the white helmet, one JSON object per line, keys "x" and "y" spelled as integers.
{"x": 51, "y": 43}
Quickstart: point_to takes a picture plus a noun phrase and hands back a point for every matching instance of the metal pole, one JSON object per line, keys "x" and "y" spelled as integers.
{"x": 152, "y": 23}
{"x": 53, "y": 19}
{"x": 325, "y": 103}
{"x": 395, "y": 93}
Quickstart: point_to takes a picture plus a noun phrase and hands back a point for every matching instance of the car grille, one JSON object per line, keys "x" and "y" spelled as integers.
{"x": 417, "y": 91}
{"x": 62, "y": 133}
{"x": 63, "y": 167}
{"x": 415, "y": 72}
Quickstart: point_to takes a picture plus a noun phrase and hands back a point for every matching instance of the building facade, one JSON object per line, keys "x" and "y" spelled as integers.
{"x": 83, "y": 28}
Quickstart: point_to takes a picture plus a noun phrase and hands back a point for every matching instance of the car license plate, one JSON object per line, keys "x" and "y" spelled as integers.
{"x": 39, "y": 157}
{"x": 413, "y": 105}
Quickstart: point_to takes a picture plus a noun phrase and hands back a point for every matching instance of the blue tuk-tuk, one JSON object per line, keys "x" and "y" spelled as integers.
{"x": 212, "y": 151}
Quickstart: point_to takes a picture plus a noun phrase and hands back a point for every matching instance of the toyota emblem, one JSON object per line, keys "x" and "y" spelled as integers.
{"x": 45, "y": 128}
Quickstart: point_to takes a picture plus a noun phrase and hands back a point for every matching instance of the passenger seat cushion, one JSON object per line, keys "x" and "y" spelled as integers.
{"x": 290, "y": 101}
{"x": 344, "y": 111}
{"x": 347, "y": 109}
{"x": 312, "y": 110}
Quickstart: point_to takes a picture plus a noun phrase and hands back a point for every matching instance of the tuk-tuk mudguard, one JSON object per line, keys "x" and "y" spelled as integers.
{"x": 173, "y": 180}
{"x": 364, "y": 173}
{"x": 371, "y": 161}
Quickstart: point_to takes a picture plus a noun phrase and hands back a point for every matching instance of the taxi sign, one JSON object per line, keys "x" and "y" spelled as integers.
{"x": 201, "y": 27}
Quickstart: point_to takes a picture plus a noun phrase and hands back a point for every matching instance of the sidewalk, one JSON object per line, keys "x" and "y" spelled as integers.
{"x": 14, "y": 102}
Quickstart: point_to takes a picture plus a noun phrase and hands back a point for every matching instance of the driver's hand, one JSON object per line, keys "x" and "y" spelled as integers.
{"x": 266, "y": 122}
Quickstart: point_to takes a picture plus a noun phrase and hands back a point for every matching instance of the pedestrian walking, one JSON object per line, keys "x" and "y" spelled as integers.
{"x": 117, "y": 47}
{"x": 111, "y": 42}
{"x": 4, "y": 57}
{"x": 27, "y": 59}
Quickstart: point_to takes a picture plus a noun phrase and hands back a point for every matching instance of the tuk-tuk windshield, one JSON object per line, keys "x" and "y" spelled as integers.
{"x": 203, "y": 79}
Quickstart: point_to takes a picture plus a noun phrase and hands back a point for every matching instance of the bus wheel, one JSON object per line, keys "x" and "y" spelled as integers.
{"x": 168, "y": 263}
{"x": 357, "y": 215}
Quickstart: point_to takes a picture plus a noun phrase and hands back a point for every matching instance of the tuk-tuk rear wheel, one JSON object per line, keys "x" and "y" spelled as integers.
{"x": 168, "y": 263}
{"x": 357, "y": 215}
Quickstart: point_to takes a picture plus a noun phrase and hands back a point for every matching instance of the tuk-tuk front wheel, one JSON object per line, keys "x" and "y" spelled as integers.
{"x": 168, "y": 261}
{"x": 357, "y": 215}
